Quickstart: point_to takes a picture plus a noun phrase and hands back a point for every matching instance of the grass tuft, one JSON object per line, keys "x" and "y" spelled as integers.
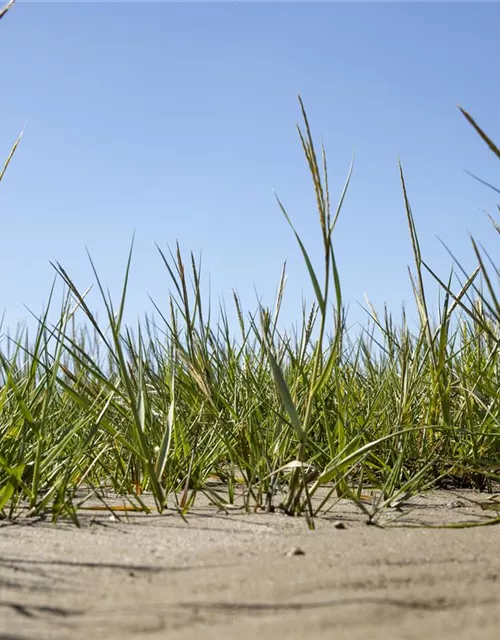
{"x": 91, "y": 407}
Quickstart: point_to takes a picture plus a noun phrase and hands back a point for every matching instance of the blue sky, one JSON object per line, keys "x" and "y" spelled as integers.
{"x": 177, "y": 121}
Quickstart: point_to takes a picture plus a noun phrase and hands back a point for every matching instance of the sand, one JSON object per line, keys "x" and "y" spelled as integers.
{"x": 236, "y": 576}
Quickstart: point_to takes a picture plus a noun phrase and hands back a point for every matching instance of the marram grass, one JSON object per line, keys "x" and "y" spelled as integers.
{"x": 164, "y": 408}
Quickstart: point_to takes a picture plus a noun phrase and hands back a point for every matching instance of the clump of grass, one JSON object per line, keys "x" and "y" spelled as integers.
{"x": 88, "y": 406}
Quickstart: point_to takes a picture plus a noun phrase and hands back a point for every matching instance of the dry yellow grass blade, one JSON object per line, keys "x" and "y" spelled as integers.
{"x": 6, "y": 8}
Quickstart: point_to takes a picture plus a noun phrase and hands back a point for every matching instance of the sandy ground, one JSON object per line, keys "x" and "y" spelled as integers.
{"x": 229, "y": 576}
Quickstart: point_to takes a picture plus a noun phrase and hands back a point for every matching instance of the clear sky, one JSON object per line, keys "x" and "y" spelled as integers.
{"x": 177, "y": 121}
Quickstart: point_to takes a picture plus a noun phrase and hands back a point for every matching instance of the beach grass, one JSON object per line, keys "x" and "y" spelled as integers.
{"x": 89, "y": 406}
